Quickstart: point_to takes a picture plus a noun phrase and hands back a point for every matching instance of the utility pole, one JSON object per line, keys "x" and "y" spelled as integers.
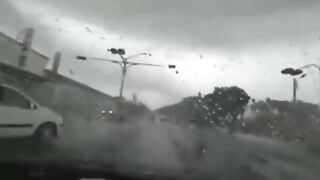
{"x": 125, "y": 64}
{"x": 295, "y": 86}
{"x": 124, "y": 72}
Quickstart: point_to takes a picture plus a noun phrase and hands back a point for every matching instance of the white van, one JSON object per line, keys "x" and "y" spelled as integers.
{"x": 21, "y": 116}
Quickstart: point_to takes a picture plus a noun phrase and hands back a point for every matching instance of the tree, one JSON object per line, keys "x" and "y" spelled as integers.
{"x": 225, "y": 105}
{"x": 222, "y": 107}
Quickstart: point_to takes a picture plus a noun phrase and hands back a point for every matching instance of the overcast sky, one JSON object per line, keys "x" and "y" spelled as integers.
{"x": 212, "y": 42}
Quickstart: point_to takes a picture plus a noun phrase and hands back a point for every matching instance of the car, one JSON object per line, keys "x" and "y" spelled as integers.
{"x": 22, "y": 116}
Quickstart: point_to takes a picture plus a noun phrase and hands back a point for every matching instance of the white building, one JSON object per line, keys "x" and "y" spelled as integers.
{"x": 20, "y": 56}
{"x": 25, "y": 68}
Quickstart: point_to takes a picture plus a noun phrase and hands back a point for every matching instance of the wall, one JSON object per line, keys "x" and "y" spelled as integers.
{"x": 10, "y": 51}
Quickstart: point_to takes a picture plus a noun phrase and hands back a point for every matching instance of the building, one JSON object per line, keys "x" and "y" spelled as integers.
{"x": 25, "y": 68}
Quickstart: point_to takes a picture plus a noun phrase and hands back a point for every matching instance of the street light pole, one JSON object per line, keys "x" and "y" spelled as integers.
{"x": 123, "y": 76}
{"x": 295, "y": 83}
{"x": 315, "y": 66}
{"x": 311, "y": 65}
{"x": 293, "y": 72}
{"x": 125, "y": 64}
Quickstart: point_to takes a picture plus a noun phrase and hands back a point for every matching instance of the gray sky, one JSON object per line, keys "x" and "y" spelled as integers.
{"x": 242, "y": 42}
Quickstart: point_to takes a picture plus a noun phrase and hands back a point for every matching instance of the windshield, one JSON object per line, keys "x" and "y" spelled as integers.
{"x": 184, "y": 89}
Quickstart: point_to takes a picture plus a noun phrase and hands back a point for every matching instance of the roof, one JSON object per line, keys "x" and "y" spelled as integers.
{"x": 9, "y": 70}
{"x": 49, "y": 75}
{"x": 61, "y": 78}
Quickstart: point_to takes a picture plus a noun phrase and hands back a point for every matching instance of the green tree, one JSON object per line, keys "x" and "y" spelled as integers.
{"x": 225, "y": 105}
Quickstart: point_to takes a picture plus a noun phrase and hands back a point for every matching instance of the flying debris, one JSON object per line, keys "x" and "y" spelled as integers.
{"x": 201, "y": 56}
{"x": 303, "y": 75}
{"x": 71, "y": 71}
{"x": 102, "y": 38}
{"x": 88, "y": 29}
{"x": 177, "y": 72}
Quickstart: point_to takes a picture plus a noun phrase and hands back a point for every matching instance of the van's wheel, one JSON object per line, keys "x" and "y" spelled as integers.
{"x": 46, "y": 133}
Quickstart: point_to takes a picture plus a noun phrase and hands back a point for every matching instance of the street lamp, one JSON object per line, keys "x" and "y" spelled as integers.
{"x": 294, "y": 72}
{"x": 311, "y": 66}
{"x": 125, "y": 63}
{"x": 298, "y": 71}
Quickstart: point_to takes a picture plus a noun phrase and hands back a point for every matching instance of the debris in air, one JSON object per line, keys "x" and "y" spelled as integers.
{"x": 172, "y": 66}
{"x": 201, "y": 56}
{"x": 303, "y": 75}
{"x": 88, "y": 29}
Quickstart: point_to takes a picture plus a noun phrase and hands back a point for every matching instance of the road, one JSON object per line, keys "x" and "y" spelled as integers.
{"x": 146, "y": 151}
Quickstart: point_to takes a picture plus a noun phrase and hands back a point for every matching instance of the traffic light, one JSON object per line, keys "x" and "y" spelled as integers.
{"x": 117, "y": 51}
{"x": 121, "y": 52}
{"x": 113, "y": 51}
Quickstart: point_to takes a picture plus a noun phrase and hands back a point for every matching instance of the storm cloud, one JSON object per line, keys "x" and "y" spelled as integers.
{"x": 212, "y": 23}
{"x": 243, "y": 42}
